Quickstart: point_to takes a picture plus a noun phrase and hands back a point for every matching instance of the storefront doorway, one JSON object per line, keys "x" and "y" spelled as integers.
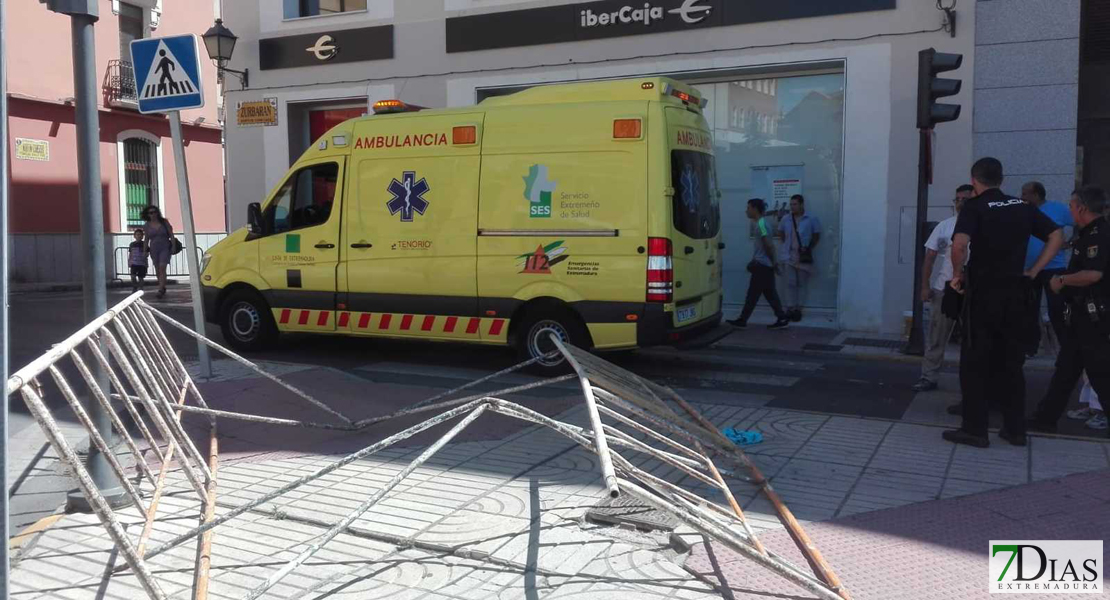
{"x": 320, "y": 121}
{"x": 309, "y": 122}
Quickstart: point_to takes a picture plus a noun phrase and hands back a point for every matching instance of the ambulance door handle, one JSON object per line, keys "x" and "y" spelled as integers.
{"x": 362, "y": 245}
{"x": 325, "y": 246}
{"x": 711, "y": 262}
{"x": 689, "y": 249}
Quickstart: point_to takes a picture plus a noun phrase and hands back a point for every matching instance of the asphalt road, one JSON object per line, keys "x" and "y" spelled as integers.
{"x": 758, "y": 377}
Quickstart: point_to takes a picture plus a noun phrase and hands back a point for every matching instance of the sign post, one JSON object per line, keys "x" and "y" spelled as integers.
{"x": 4, "y": 348}
{"x": 167, "y": 79}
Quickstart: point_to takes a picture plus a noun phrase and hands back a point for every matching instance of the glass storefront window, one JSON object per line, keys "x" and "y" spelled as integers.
{"x": 776, "y": 137}
{"x": 295, "y": 9}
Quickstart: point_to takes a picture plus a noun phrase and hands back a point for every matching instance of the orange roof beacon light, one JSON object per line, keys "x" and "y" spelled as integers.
{"x": 670, "y": 90}
{"x": 386, "y": 107}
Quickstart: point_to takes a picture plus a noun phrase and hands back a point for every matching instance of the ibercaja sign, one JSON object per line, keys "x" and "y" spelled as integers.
{"x": 615, "y": 18}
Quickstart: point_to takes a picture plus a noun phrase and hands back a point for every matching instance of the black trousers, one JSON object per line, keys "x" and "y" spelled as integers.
{"x": 762, "y": 284}
{"x": 1083, "y": 348}
{"x": 998, "y": 325}
{"x": 1055, "y": 306}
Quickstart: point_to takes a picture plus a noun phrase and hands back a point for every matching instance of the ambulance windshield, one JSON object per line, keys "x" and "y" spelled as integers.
{"x": 697, "y": 209}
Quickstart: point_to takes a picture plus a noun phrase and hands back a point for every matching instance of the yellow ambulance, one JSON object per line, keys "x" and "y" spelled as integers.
{"x": 589, "y": 211}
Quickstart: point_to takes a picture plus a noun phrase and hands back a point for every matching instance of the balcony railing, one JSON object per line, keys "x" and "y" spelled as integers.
{"x": 119, "y": 85}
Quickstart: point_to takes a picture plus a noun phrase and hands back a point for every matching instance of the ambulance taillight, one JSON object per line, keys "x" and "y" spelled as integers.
{"x": 660, "y": 271}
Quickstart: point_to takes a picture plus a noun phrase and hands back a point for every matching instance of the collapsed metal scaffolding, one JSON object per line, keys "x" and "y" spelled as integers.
{"x": 627, "y": 415}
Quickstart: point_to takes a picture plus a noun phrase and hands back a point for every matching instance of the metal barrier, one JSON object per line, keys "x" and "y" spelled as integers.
{"x": 178, "y": 267}
{"x": 627, "y": 415}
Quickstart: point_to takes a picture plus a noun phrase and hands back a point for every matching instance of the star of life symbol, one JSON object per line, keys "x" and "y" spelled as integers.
{"x": 408, "y": 196}
{"x": 691, "y": 189}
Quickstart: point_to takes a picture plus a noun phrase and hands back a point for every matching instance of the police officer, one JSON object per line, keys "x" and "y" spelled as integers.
{"x": 1086, "y": 288}
{"x": 999, "y": 311}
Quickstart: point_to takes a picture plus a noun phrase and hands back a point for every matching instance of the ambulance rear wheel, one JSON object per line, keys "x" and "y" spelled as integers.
{"x": 246, "y": 321}
{"x": 533, "y": 340}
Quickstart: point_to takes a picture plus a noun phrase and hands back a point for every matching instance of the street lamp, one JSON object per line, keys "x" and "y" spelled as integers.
{"x": 220, "y": 43}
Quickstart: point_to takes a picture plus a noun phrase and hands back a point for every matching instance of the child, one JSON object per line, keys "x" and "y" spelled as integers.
{"x": 137, "y": 260}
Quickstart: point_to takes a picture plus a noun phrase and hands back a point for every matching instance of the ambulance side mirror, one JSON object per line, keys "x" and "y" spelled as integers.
{"x": 254, "y": 218}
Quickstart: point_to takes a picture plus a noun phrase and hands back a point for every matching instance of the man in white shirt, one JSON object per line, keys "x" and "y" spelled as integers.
{"x": 937, "y": 253}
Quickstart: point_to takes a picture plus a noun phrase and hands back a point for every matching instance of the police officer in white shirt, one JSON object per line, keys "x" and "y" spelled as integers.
{"x": 937, "y": 250}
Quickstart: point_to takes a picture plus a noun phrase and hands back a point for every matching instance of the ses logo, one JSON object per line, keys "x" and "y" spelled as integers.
{"x": 538, "y": 190}
{"x": 692, "y": 12}
{"x": 1045, "y": 567}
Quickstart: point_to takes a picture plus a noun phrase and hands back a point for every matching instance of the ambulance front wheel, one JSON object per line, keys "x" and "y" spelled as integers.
{"x": 246, "y": 321}
{"x": 533, "y": 340}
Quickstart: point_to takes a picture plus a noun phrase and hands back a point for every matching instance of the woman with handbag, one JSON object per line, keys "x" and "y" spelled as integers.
{"x": 799, "y": 234}
{"x": 160, "y": 244}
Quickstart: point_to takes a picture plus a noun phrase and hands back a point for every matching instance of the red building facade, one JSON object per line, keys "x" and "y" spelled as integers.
{"x": 136, "y": 154}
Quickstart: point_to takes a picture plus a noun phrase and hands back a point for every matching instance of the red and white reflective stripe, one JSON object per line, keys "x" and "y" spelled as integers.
{"x": 430, "y": 324}
{"x": 496, "y": 327}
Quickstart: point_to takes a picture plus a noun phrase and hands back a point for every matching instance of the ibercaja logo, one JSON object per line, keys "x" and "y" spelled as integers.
{"x": 1046, "y": 567}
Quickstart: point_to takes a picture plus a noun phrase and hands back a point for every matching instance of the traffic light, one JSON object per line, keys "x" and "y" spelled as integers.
{"x": 930, "y": 87}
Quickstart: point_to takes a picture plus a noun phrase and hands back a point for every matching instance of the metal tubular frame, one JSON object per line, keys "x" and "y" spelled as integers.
{"x": 601, "y": 445}
{"x": 157, "y": 379}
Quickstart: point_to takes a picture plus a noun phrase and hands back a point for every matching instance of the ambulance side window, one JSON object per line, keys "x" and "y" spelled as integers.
{"x": 304, "y": 201}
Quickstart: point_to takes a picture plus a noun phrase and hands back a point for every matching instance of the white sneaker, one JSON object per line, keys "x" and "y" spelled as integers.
{"x": 1098, "y": 422}
{"x": 1081, "y": 414}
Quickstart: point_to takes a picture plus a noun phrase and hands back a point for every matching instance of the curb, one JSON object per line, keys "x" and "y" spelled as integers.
{"x": 37, "y": 288}
{"x": 21, "y": 539}
{"x": 1045, "y": 365}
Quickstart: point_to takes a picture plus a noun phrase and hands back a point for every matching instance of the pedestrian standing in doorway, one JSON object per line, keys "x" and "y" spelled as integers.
{"x": 1086, "y": 289}
{"x": 799, "y": 234}
{"x": 159, "y": 244}
{"x": 937, "y": 254}
{"x": 1034, "y": 193}
{"x": 137, "y": 261}
{"x": 999, "y": 313}
{"x": 762, "y": 268}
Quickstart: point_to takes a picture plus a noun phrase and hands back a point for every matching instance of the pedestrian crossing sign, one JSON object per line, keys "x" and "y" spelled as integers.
{"x": 167, "y": 73}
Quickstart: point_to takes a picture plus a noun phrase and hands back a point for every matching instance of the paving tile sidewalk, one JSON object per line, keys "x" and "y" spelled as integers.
{"x": 927, "y": 551}
{"x": 502, "y": 516}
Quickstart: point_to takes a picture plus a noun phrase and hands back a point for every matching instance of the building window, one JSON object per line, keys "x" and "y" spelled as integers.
{"x": 295, "y": 9}
{"x": 130, "y": 28}
{"x": 140, "y": 181}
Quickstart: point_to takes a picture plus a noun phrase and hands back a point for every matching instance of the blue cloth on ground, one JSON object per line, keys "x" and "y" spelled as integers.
{"x": 742, "y": 437}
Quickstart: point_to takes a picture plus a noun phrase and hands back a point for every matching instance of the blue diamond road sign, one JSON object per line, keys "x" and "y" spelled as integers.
{"x": 167, "y": 73}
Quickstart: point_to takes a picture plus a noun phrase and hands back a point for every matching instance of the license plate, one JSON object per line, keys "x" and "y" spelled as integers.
{"x": 686, "y": 314}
